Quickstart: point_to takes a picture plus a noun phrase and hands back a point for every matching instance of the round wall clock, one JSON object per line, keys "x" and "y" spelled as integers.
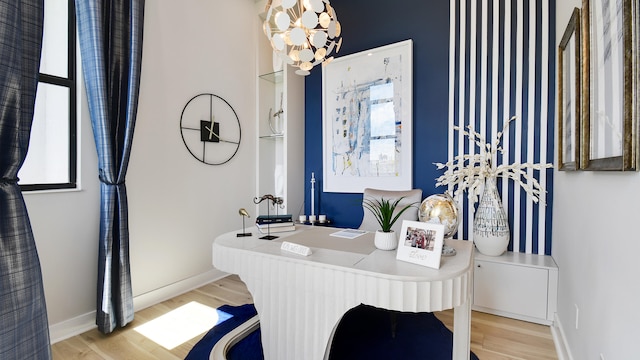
{"x": 210, "y": 129}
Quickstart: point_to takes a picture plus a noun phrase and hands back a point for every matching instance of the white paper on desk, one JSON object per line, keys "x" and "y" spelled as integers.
{"x": 348, "y": 233}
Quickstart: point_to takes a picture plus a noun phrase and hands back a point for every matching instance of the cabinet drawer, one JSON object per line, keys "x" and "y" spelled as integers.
{"x": 511, "y": 288}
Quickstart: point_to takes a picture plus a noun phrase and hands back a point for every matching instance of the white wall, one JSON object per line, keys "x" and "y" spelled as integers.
{"x": 177, "y": 205}
{"x": 595, "y": 243}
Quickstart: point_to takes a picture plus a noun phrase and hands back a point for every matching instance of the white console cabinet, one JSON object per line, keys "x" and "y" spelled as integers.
{"x": 516, "y": 285}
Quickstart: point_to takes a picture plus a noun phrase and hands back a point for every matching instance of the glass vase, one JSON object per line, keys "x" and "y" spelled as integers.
{"x": 491, "y": 226}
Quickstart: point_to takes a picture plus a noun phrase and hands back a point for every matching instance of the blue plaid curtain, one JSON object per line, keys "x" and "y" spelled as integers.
{"x": 111, "y": 47}
{"x": 24, "y": 330}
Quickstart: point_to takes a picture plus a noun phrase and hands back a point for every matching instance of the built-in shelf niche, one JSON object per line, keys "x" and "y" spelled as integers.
{"x": 280, "y": 145}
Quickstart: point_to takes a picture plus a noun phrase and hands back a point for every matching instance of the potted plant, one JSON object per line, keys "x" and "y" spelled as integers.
{"x": 386, "y": 212}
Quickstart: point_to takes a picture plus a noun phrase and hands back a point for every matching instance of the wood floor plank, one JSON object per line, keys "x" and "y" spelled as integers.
{"x": 492, "y": 337}
{"x": 74, "y": 349}
{"x": 226, "y": 294}
{"x": 496, "y": 337}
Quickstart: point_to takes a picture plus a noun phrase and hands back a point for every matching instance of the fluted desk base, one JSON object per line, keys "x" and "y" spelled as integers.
{"x": 301, "y": 299}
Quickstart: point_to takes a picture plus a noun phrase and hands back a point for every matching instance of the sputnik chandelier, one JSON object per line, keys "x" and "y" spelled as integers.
{"x": 303, "y": 33}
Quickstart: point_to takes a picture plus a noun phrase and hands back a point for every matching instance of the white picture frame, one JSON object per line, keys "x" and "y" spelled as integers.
{"x": 367, "y": 120}
{"x": 421, "y": 243}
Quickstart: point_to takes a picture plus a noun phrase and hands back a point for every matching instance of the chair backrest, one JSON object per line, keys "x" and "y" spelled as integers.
{"x": 369, "y": 222}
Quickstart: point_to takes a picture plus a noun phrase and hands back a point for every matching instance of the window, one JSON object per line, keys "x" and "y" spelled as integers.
{"x": 51, "y": 159}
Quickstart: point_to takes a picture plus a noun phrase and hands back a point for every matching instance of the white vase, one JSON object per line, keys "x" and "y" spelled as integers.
{"x": 490, "y": 226}
{"x": 385, "y": 240}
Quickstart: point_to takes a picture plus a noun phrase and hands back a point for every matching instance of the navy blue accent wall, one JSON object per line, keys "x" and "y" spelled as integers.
{"x": 367, "y": 24}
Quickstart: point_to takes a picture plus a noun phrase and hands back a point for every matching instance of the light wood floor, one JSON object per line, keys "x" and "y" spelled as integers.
{"x": 492, "y": 337}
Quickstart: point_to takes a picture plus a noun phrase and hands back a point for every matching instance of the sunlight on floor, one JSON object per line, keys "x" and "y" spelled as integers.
{"x": 182, "y": 324}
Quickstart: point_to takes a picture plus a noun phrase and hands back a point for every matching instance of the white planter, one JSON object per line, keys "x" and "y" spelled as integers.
{"x": 386, "y": 240}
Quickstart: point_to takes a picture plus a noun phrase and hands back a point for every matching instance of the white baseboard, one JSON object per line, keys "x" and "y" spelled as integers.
{"x": 511, "y": 315}
{"x": 153, "y": 297}
{"x": 85, "y": 322}
{"x": 560, "y": 340}
{"x": 72, "y": 327}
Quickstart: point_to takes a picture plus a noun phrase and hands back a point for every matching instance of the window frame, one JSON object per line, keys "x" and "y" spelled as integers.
{"x": 70, "y": 83}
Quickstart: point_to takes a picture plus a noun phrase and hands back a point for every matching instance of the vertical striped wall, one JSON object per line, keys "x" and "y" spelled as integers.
{"x": 501, "y": 63}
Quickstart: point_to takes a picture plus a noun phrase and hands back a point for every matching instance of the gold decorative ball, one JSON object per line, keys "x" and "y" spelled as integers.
{"x": 442, "y": 209}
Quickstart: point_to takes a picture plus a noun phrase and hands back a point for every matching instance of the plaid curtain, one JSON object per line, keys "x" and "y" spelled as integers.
{"x": 110, "y": 34}
{"x": 24, "y": 330}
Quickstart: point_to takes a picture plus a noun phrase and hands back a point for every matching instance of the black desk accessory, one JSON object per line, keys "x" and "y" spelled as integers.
{"x": 276, "y": 201}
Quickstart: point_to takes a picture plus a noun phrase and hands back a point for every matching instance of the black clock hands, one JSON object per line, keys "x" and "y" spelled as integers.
{"x": 213, "y": 133}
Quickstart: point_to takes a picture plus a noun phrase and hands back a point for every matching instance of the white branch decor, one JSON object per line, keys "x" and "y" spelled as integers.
{"x": 468, "y": 172}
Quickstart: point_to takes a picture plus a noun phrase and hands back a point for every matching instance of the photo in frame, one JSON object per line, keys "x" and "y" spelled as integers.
{"x": 367, "y": 120}
{"x": 609, "y": 93}
{"x": 421, "y": 243}
{"x": 569, "y": 100}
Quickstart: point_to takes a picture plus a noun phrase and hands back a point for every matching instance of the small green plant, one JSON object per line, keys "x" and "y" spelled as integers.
{"x": 383, "y": 210}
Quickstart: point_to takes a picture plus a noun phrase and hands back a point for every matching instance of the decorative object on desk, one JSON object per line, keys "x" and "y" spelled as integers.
{"x": 421, "y": 243}
{"x": 210, "y": 129}
{"x": 441, "y": 209}
{"x": 386, "y": 213}
{"x": 303, "y": 32}
{"x": 267, "y": 224}
{"x": 467, "y": 172}
{"x": 274, "y": 219}
{"x": 275, "y": 201}
{"x": 243, "y": 212}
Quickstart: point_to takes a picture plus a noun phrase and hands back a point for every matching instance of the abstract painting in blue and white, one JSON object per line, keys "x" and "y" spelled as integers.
{"x": 367, "y": 120}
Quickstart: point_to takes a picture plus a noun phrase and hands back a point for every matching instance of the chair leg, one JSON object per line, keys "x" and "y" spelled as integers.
{"x": 394, "y": 323}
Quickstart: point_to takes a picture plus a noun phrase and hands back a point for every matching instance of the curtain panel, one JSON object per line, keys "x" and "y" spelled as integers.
{"x": 110, "y": 35}
{"x": 24, "y": 330}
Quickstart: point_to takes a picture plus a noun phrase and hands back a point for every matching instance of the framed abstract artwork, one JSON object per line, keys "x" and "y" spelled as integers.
{"x": 569, "y": 100}
{"x": 610, "y": 85}
{"x": 367, "y": 120}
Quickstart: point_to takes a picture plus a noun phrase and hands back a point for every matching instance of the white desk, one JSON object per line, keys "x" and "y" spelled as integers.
{"x": 300, "y": 299}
